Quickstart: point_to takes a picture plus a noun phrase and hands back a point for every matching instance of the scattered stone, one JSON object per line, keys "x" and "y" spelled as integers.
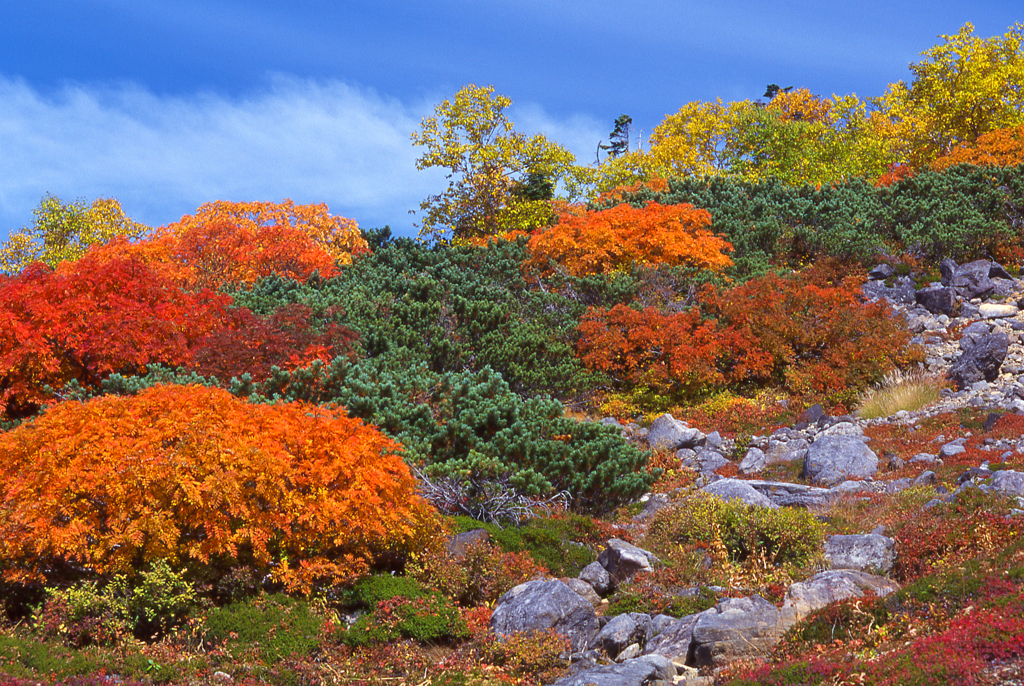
{"x": 865, "y": 552}
{"x": 584, "y": 590}
{"x": 940, "y": 300}
{"x": 754, "y": 461}
{"x": 598, "y": 577}
{"x": 734, "y": 489}
{"x": 1008, "y": 482}
{"x": 981, "y": 362}
{"x": 828, "y": 587}
{"x": 832, "y": 459}
{"x": 623, "y": 560}
{"x": 647, "y": 669}
{"x": 668, "y": 433}
{"x": 546, "y": 604}
{"x": 734, "y": 629}
{"x": 620, "y": 632}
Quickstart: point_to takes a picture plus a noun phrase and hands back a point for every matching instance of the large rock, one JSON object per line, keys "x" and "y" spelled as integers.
{"x": 939, "y": 300}
{"x": 861, "y": 551}
{"x": 640, "y": 671}
{"x": 786, "y": 494}
{"x": 546, "y": 604}
{"x": 620, "y": 632}
{"x": 583, "y": 590}
{"x": 734, "y": 489}
{"x": 1008, "y": 482}
{"x": 833, "y": 459}
{"x": 675, "y": 641}
{"x": 598, "y": 577}
{"x": 981, "y": 362}
{"x": 622, "y": 560}
{"x": 734, "y": 629}
{"x": 972, "y": 280}
{"x": 668, "y": 433}
{"x": 754, "y": 461}
{"x": 828, "y": 587}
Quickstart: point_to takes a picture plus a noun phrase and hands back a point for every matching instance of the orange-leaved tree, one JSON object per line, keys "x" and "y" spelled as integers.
{"x": 338, "y": 236}
{"x": 999, "y": 148}
{"x": 602, "y": 241}
{"x": 92, "y": 317}
{"x": 195, "y": 476}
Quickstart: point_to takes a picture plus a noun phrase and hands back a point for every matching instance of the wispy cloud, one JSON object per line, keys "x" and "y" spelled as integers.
{"x": 163, "y": 156}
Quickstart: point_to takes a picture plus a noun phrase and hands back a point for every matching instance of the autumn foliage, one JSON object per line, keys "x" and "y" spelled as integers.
{"x": 804, "y": 334}
{"x": 288, "y": 338}
{"x": 194, "y": 475}
{"x": 1000, "y": 148}
{"x": 602, "y": 241}
{"x": 339, "y": 237}
{"x": 89, "y": 318}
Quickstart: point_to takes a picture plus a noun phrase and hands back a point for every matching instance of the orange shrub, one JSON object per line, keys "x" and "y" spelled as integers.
{"x": 195, "y": 475}
{"x": 596, "y": 242}
{"x": 1000, "y": 148}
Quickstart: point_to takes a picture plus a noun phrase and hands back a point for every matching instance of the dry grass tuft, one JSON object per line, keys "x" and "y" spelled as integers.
{"x": 900, "y": 390}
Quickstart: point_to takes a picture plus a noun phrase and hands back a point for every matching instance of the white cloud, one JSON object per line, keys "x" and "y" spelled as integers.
{"x": 163, "y": 156}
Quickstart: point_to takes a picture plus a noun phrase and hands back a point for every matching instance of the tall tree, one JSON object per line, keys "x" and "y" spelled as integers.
{"x": 962, "y": 89}
{"x": 64, "y": 231}
{"x": 487, "y": 161}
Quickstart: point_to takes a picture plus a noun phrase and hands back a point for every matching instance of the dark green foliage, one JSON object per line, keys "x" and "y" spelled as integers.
{"x": 964, "y": 212}
{"x": 557, "y": 543}
{"x": 400, "y": 608}
{"x": 641, "y": 595}
{"x": 270, "y": 627}
{"x": 458, "y": 309}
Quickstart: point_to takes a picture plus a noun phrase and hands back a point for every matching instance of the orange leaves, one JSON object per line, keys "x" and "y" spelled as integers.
{"x": 337, "y": 236}
{"x": 594, "y": 242}
{"x": 194, "y": 474}
{"x": 1000, "y": 148}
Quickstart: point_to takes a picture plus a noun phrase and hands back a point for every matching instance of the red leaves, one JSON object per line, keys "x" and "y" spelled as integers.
{"x": 597, "y": 242}
{"x": 195, "y": 474}
{"x": 810, "y": 337}
{"x": 90, "y": 318}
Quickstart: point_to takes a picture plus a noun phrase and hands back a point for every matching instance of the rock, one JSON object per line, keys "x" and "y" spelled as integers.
{"x": 583, "y": 590}
{"x": 620, "y": 632}
{"x": 675, "y": 641}
{"x": 981, "y": 362}
{"x": 947, "y": 268}
{"x": 222, "y": 677}
{"x": 656, "y": 502}
{"x": 842, "y": 429}
{"x": 828, "y": 587}
{"x": 881, "y": 272}
{"x": 647, "y": 669}
{"x": 623, "y": 560}
{"x": 997, "y": 310}
{"x": 1008, "y": 482}
{"x": 866, "y": 552}
{"x": 939, "y": 300}
{"x": 924, "y": 458}
{"x": 812, "y": 414}
{"x": 785, "y": 494}
{"x": 734, "y": 629}
{"x": 926, "y": 478}
{"x": 730, "y": 489}
{"x": 598, "y": 577}
{"x": 832, "y": 459}
{"x": 668, "y": 433}
{"x": 972, "y": 280}
{"x": 787, "y": 451}
{"x": 709, "y": 461}
{"x": 546, "y": 604}
{"x": 657, "y": 624}
{"x": 951, "y": 449}
{"x": 754, "y": 461}
{"x": 714, "y": 440}
{"x": 460, "y": 543}
{"x": 849, "y": 488}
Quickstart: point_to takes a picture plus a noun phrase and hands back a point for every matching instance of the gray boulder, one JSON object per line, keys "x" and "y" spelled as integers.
{"x": 939, "y": 300}
{"x": 734, "y": 629}
{"x": 828, "y": 587}
{"x": 833, "y": 459}
{"x": 1008, "y": 482}
{"x": 981, "y": 362}
{"x": 786, "y": 494}
{"x": 972, "y": 280}
{"x": 754, "y": 461}
{"x": 668, "y": 433}
{"x": 583, "y": 590}
{"x": 622, "y": 560}
{"x": 734, "y": 489}
{"x": 647, "y": 669}
{"x": 598, "y": 577}
{"x": 861, "y": 551}
{"x": 675, "y": 641}
{"x": 621, "y": 631}
{"x": 546, "y": 604}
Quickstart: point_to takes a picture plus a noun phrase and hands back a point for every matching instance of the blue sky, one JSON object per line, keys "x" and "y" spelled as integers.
{"x": 166, "y": 105}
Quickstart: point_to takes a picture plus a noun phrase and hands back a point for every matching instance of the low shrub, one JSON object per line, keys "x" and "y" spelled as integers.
{"x": 268, "y": 628}
{"x": 482, "y": 576}
{"x": 400, "y": 607}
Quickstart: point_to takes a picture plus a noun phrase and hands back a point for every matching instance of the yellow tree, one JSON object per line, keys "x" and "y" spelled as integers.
{"x": 62, "y": 232}
{"x": 500, "y": 180}
{"x": 965, "y": 87}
